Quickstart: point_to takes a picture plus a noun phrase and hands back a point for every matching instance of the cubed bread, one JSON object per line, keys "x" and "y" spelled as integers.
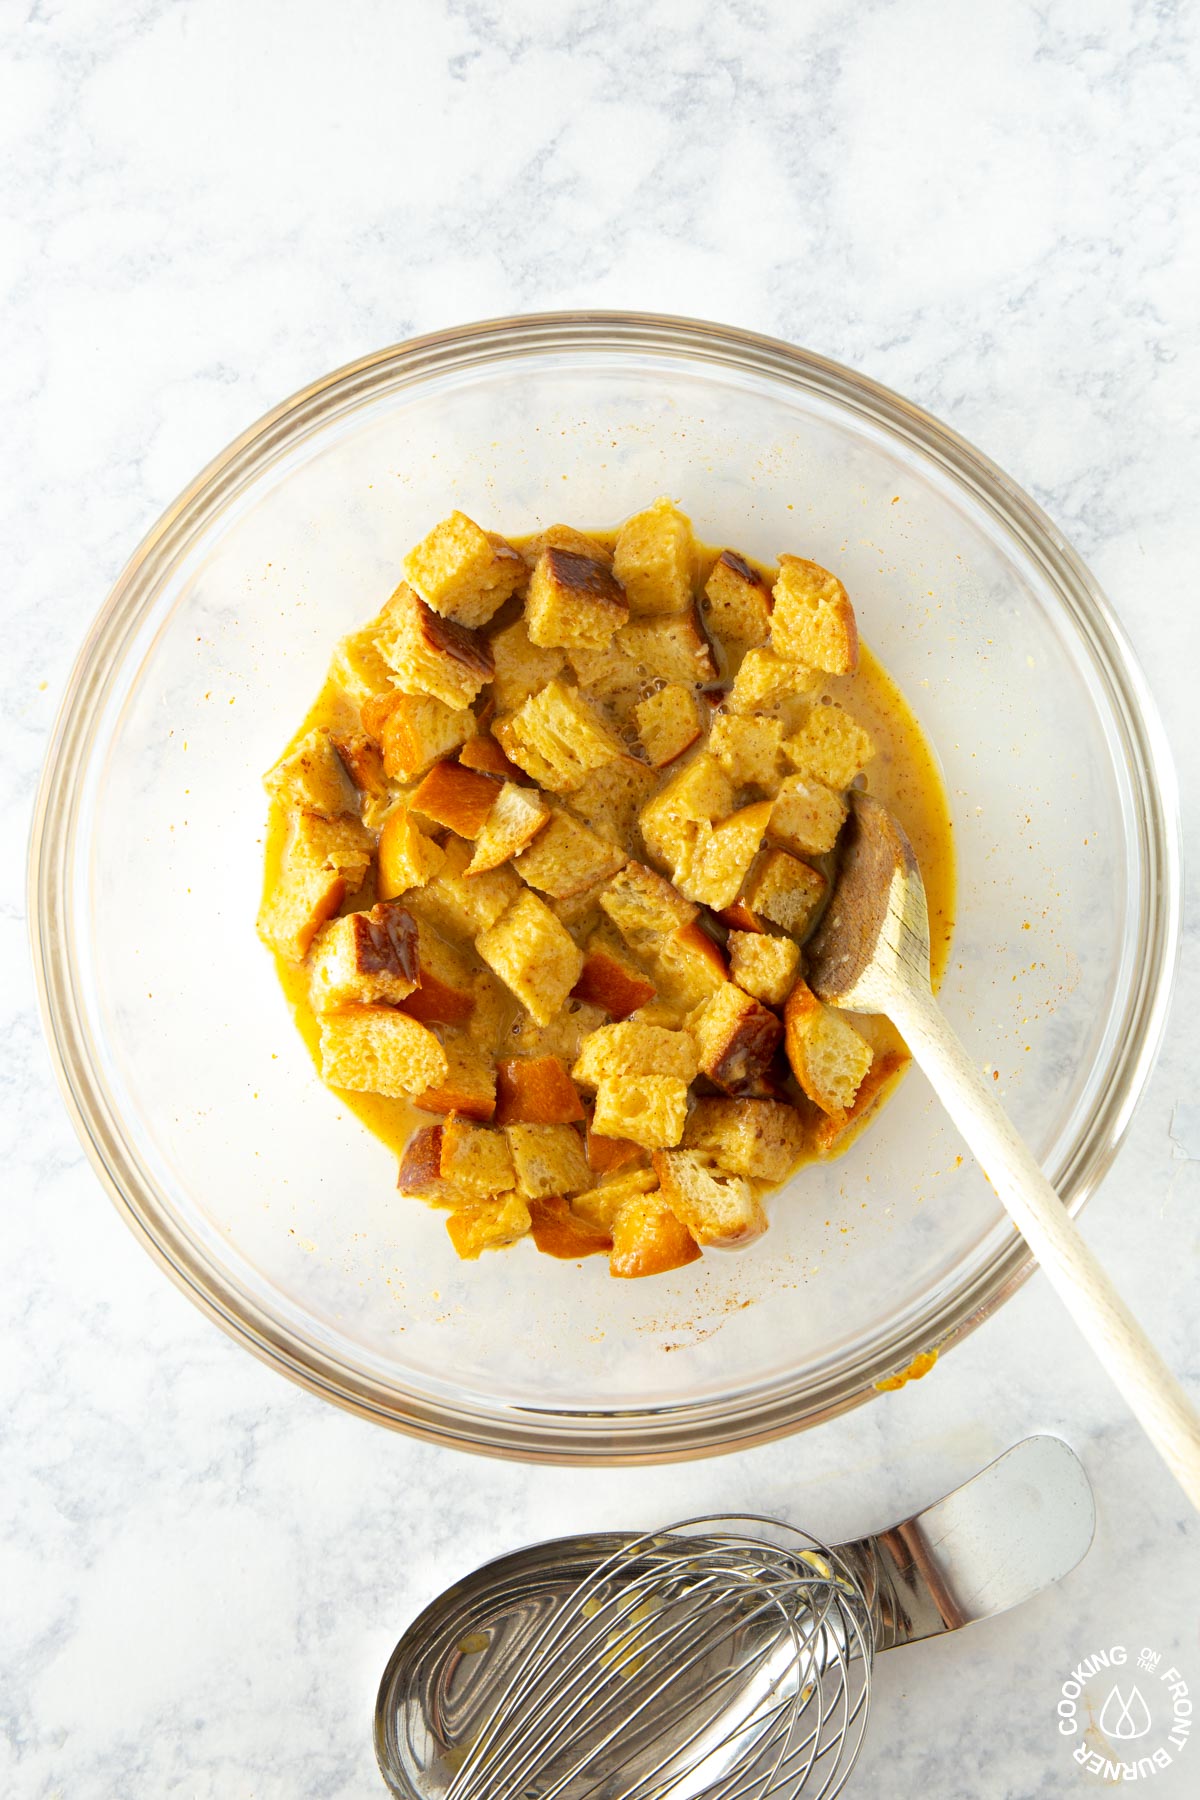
{"x": 748, "y": 749}
{"x": 601, "y": 1204}
{"x": 323, "y": 860}
{"x": 313, "y": 778}
{"x": 830, "y": 746}
{"x": 653, "y": 560}
{"x": 445, "y": 990}
{"x": 407, "y": 858}
{"x": 563, "y": 1036}
{"x": 765, "y": 680}
{"x": 516, "y": 817}
{"x": 495, "y": 1016}
{"x": 645, "y": 908}
{"x": 456, "y": 1160}
{"x": 737, "y": 602}
{"x": 606, "y": 1155}
{"x": 533, "y": 954}
{"x": 698, "y": 793}
{"x": 536, "y": 1090}
{"x": 609, "y": 799}
{"x": 461, "y": 906}
{"x": 668, "y": 722}
{"x": 717, "y": 1208}
{"x": 548, "y": 1159}
{"x": 629, "y": 1049}
{"x": 763, "y": 1139}
{"x": 358, "y": 670}
{"x": 806, "y": 816}
{"x": 468, "y": 1085}
{"x": 559, "y": 1231}
{"x": 647, "y": 1109}
{"x": 688, "y": 967}
{"x": 611, "y": 979}
{"x": 417, "y": 730}
{"x": 766, "y": 967}
{"x": 457, "y": 798}
{"x": 718, "y": 859}
{"x": 648, "y": 1239}
{"x": 521, "y": 668}
{"x": 564, "y": 537}
{"x": 491, "y": 1226}
{"x": 675, "y": 649}
{"x": 610, "y": 675}
{"x": 362, "y": 760}
{"x": 829, "y": 1058}
{"x": 482, "y": 752}
{"x": 566, "y": 858}
{"x": 377, "y": 1050}
{"x": 464, "y": 572}
{"x": 813, "y": 621}
{"x": 580, "y": 912}
{"x": 364, "y": 958}
{"x": 557, "y": 738}
{"x": 573, "y": 602}
{"x": 736, "y": 1040}
{"x": 833, "y": 1132}
{"x": 431, "y": 655}
{"x": 785, "y": 892}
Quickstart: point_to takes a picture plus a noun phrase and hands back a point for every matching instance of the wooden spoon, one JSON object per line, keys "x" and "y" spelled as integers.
{"x": 870, "y": 954}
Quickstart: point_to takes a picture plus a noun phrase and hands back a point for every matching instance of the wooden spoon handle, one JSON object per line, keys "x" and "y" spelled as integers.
{"x": 1152, "y": 1393}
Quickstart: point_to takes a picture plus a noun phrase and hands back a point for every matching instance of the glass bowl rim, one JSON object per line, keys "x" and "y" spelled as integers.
{"x": 653, "y": 1434}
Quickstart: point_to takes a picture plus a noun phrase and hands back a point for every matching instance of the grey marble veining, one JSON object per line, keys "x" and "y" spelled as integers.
{"x": 206, "y": 204}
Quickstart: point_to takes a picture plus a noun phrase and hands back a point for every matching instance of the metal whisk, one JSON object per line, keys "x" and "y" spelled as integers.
{"x": 720, "y": 1659}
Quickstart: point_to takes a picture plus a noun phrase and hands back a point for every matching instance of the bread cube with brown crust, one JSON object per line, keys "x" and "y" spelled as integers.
{"x": 813, "y": 621}
{"x": 785, "y": 892}
{"x": 431, "y": 655}
{"x": 766, "y": 967}
{"x": 668, "y": 723}
{"x": 830, "y": 746}
{"x": 629, "y": 1049}
{"x": 445, "y": 990}
{"x": 675, "y": 648}
{"x": 468, "y": 1086}
{"x": 363, "y": 958}
{"x": 536, "y": 1090}
{"x": 698, "y": 793}
{"x": 647, "y": 1109}
{"x": 557, "y": 738}
{"x": 458, "y": 906}
{"x": 736, "y": 1040}
{"x": 521, "y": 668}
{"x": 548, "y": 1159}
{"x": 719, "y": 857}
{"x": 749, "y": 750}
{"x": 533, "y": 954}
{"x": 737, "y": 602}
{"x": 573, "y": 602}
{"x": 491, "y": 1226}
{"x": 717, "y": 1208}
{"x": 829, "y": 1058}
{"x": 601, "y": 1204}
{"x": 458, "y": 1159}
{"x": 313, "y": 778}
{"x": 806, "y": 816}
{"x": 763, "y": 1139}
{"x": 378, "y": 1050}
{"x": 413, "y": 731}
{"x": 558, "y": 1230}
{"x": 567, "y": 858}
{"x": 357, "y": 669}
{"x": 323, "y": 860}
{"x": 688, "y": 967}
{"x": 482, "y": 752}
{"x": 832, "y": 1133}
{"x": 648, "y": 1239}
{"x": 517, "y": 815}
{"x": 608, "y": 800}
{"x": 645, "y": 908}
{"x": 458, "y": 799}
{"x": 362, "y": 760}
{"x": 765, "y": 681}
{"x": 653, "y": 560}
{"x": 463, "y": 572}
{"x": 606, "y": 1154}
{"x": 611, "y": 979}
{"x": 565, "y": 537}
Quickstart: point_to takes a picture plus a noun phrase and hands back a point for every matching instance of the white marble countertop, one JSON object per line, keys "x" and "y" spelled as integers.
{"x": 208, "y": 203}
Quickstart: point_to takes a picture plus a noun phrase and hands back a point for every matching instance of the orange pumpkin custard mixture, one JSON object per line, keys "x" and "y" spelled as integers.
{"x": 541, "y": 865}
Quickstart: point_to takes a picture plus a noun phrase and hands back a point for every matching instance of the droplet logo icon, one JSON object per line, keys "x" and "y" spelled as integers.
{"x": 1125, "y": 1718}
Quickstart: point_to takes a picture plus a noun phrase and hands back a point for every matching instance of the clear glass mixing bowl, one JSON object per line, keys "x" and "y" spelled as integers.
{"x": 191, "y": 1090}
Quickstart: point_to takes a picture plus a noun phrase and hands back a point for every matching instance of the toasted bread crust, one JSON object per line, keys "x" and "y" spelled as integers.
{"x": 536, "y": 1090}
